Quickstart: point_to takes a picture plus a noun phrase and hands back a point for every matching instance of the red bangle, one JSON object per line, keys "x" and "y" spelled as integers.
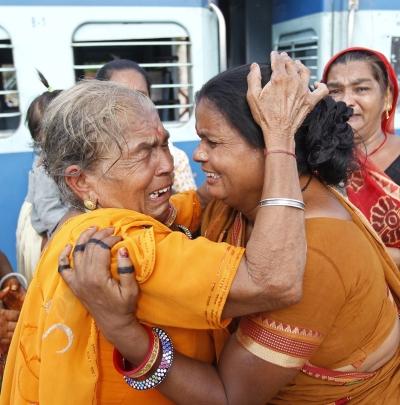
{"x": 124, "y": 367}
{"x": 286, "y": 152}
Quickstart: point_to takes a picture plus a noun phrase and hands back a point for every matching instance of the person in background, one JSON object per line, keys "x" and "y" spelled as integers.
{"x": 43, "y": 207}
{"x": 340, "y": 343}
{"x": 129, "y": 73}
{"x": 12, "y": 293}
{"x": 366, "y": 82}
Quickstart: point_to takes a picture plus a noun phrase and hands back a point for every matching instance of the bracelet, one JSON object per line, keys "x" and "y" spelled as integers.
{"x": 160, "y": 373}
{"x": 286, "y": 152}
{"x": 20, "y": 277}
{"x": 283, "y": 202}
{"x": 125, "y": 368}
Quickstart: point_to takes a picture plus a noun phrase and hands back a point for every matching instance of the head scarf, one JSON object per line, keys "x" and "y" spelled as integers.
{"x": 387, "y": 124}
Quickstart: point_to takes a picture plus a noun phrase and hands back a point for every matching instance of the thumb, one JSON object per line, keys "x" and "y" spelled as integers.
{"x": 321, "y": 91}
{"x": 126, "y": 270}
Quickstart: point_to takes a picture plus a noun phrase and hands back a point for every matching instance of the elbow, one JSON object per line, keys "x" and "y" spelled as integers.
{"x": 284, "y": 292}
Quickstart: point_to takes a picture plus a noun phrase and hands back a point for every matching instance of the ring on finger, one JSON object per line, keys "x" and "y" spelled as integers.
{"x": 62, "y": 267}
{"x": 99, "y": 242}
{"x": 79, "y": 248}
{"x": 125, "y": 269}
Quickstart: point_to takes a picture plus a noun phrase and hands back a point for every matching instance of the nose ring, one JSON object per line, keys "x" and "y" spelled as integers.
{"x": 202, "y": 155}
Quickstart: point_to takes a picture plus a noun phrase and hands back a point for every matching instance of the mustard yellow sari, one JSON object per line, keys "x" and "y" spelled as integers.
{"x": 350, "y": 304}
{"x": 57, "y": 355}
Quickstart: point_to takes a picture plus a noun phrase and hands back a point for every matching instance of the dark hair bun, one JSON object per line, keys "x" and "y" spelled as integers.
{"x": 325, "y": 142}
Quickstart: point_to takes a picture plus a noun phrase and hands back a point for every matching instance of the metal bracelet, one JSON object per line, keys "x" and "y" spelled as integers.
{"x": 282, "y": 202}
{"x": 166, "y": 361}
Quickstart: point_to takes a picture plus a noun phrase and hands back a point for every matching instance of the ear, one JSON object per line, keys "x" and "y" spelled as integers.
{"x": 80, "y": 183}
{"x": 388, "y": 99}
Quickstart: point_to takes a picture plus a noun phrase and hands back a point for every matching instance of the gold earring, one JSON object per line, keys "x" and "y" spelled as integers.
{"x": 90, "y": 205}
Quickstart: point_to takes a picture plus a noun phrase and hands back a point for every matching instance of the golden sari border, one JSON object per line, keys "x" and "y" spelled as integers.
{"x": 295, "y": 346}
{"x": 264, "y": 353}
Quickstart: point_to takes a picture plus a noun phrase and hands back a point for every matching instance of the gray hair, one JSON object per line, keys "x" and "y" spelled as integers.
{"x": 83, "y": 124}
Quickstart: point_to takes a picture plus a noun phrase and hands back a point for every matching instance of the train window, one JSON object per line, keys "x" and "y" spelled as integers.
{"x": 162, "y": 49}
{"x": 10, "y": 115}
{"x": 302, "y": 45}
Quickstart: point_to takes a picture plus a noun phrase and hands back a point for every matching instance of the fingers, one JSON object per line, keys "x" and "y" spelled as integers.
{"x": 11, "y": 315}
{"x": 254, "y": 80}
{"x": 4, "y": 292}
{"x": 64, "y": 266}
{"x": 126, "y": 269}
{"x": 320, "y": 92}
{"x": 277, "y": 64}
{"x": 304, "y": 72}
{"x": 83, "y": 239}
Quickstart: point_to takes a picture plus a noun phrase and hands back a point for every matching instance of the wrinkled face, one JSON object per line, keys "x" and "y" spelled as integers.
{"x": 355, "y": 84}
{"x": 141, "y": 178}
{"x": 130, "y": 78}
{"x": 234, "y": 169}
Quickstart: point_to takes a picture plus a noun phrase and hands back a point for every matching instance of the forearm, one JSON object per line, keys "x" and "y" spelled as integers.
{"x": 194, "y": 382}
{"x": 271, "y": 275}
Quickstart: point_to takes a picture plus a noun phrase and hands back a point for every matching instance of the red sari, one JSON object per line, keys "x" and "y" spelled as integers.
{"x": 373, "y": 192}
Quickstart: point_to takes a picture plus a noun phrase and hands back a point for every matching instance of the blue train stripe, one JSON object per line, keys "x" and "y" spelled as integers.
{"x": 143, "y": 3}
{"x": 284, "y": 10}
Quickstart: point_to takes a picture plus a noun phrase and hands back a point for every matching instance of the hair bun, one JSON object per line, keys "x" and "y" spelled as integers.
{"x": 325, "y": 142}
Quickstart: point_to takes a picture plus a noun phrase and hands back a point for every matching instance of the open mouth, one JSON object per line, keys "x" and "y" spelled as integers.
{"x": 159, "y": 193}
{"x": 212, "y": 175}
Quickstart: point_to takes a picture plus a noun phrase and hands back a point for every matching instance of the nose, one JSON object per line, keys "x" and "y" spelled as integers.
{"x": 166, "y": 163}
{"x": 348, "y": 98}
{"x": 199, "y": 154}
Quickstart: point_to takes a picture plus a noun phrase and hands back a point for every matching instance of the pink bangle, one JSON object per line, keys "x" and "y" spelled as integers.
{"x": 125, "y": 368}
{"x": 286, "y": 152}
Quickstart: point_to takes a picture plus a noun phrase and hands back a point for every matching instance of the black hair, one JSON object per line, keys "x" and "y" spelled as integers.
{"x": 324, "y": 141}
{"x": 377, "y": 66}
{"x": 35, "y": 112}
{"x": 106, "y": 71}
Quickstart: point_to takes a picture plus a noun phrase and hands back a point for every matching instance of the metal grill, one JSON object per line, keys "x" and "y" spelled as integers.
{"x": 165, "y": 58}
{"x": 10, "y": 114}
{"x": 302, "y": 46}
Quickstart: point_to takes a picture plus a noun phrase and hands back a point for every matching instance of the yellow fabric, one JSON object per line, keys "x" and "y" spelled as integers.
{"x": 345, "y": 314}
{"x": 55, "y": 355}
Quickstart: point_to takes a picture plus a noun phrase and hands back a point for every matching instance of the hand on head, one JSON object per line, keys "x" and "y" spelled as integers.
{"x": 282, "y": 105}
{"x": 112, "y": 303}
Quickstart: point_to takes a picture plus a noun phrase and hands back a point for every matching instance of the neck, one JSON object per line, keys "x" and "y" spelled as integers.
{"x": 373, "y": 143}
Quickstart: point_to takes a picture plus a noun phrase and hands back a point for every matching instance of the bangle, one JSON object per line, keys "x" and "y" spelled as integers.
{"x": 283, "y": 202}
{"x": 158, "y": 376}
{"x": 125, "y": 368}
{"x": 286, "y": 152}
{"x": 21, "y": 279}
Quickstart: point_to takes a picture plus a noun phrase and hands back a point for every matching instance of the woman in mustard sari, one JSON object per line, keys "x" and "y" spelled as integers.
{"x": 340, "y": 343}
{"x": 108, "y": 152}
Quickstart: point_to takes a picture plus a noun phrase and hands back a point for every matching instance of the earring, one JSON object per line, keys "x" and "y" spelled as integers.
{"x": 90, "y": 205}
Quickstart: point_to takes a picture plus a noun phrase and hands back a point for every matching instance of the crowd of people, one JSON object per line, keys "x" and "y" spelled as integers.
{"x": 277, "y": 281}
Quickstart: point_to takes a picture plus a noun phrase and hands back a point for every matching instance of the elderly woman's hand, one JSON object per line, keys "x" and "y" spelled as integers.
{"x": 282, "y": 105}
{"x": 8, "y": 322}
{"x": 111, "y": 303}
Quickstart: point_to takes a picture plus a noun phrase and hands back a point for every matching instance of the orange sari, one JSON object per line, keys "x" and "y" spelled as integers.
{"x": 57, "y": 355}
{"x": 350, "y": 303}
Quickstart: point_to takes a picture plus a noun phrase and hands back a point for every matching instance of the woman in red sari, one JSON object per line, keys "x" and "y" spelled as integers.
{"x": 365, "y": 81}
